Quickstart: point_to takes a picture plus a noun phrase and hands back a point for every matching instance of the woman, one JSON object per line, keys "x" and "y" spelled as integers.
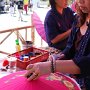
{"x": 20, "y": 9}
{"x": 11, "y": 8}
{"x": 77, "y": 51}
{"x": 58, "y": 22}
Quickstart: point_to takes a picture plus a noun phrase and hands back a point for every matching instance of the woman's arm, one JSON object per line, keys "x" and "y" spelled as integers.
{"x": 54, "y": 31}
{"x": 84, "y": 64}
{"x": 39, "y": 69}
{"x": 61, "y": 37}
{"x": 69, "y": 50}
{"x": 67, "y": 66}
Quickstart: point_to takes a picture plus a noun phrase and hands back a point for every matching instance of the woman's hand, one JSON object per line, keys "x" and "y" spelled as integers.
{"x": 38, "y": 69}
{"x": 58, "y": 56}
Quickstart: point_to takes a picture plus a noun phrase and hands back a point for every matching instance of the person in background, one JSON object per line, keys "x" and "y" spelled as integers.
{"x": 26, "y": 5}
{"x": 11, "y": 8}
{"x": 20, "y": 9}
{"x": 2, "y": 5}
{"x": 75, "y": 58}
{"x": 58, "y": 23}
{"x": 30, "y": 5}
{"x": 14, "y": 6}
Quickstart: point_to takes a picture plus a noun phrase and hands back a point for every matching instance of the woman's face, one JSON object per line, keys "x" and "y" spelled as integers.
{"x": 62, "y": 3}
{"x": 84, "y": 5}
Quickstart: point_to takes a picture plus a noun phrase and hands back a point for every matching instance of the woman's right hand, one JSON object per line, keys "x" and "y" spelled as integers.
{"x": 58, "y": 56}
{"x": 36, "y": 70}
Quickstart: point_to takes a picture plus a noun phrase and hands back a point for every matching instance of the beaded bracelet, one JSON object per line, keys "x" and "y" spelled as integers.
{"x": 53, "y": 66}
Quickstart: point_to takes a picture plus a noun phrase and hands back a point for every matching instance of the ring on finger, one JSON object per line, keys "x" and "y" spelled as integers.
{"x": 35, "y": 74}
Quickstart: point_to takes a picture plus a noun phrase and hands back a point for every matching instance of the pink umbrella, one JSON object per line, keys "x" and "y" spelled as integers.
{"x": 39, "y": 25}
{"x": 17, "y": 81}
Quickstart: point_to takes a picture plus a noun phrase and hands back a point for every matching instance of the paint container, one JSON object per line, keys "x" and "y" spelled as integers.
{"x": 27, "y": 44}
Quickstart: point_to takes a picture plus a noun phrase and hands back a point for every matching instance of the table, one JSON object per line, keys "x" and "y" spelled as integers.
{"x": 5, "y": 73}
{"x": 55, "y": 81}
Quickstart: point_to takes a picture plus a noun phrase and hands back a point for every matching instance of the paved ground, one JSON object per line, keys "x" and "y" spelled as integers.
{"x": 7, "y": 21}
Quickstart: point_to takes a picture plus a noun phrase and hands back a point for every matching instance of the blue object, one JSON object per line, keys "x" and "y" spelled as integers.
{"x": 21, "y": 58}
{"x": 26, "y": 54}
{"x": 31, "y": 54}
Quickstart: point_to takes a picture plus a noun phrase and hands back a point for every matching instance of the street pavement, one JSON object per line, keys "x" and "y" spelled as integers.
{"x": 7, "y": 21}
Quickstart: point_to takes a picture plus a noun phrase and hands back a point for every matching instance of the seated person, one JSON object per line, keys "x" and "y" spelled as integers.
{"x": 58, "y": 23}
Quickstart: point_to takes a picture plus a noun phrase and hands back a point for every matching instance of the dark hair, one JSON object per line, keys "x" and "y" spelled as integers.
{"x": 82, "y": 16}
{"x": 52, "y": 3}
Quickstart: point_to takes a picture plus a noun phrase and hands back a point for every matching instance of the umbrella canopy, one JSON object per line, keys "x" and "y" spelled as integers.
{"x": 17, "y": 81}
{"x": 39, "y": 25}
